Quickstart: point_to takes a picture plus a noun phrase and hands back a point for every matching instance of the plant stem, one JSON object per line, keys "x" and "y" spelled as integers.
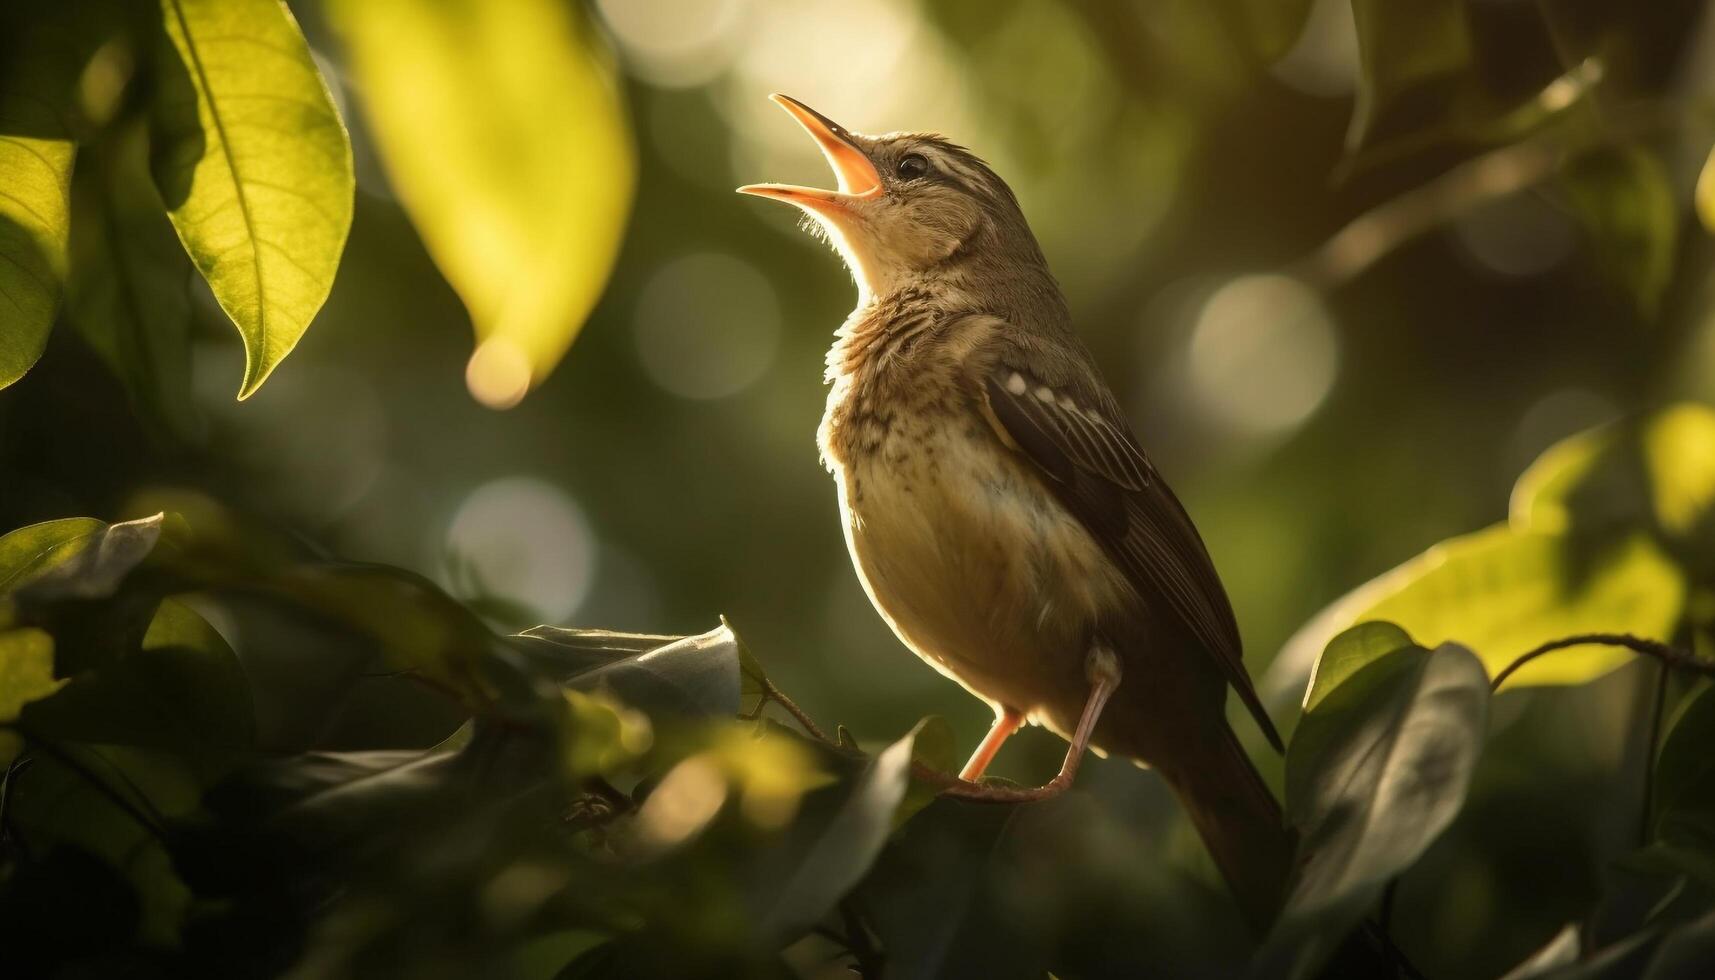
{"x": 1668, "y": 655}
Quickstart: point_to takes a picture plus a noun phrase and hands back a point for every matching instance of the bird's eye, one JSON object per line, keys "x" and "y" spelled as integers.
{"x": 912, "y": 165}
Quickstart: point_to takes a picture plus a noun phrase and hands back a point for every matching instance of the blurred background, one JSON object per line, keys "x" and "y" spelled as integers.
{"x": 1339, "y": 347}
{"x": 1320, "y": 428}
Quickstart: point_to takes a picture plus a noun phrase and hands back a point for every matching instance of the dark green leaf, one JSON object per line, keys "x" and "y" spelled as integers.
{"x": 844, "y": 850}
{"x": 1684, "y": 802}
{"x": 1372, "y": 778}
{"x": 129, "y": 288}
{"x": 1410, "y": 55}
{"x": 185, "y": 688}
{"x": 1625, "y": 198}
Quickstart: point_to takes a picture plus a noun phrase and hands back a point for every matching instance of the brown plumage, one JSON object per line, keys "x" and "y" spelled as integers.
{"x": 999, "y": 511}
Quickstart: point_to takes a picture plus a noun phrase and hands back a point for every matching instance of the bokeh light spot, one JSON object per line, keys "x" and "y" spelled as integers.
{"x": 523, "y": 541}
{"x": 675, "y": 43}
{"x": 1263, "y": 354}
{"x": 707, "y": 326}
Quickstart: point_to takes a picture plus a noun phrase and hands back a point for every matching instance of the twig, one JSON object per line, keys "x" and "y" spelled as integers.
{"x": 1668, "y": 655}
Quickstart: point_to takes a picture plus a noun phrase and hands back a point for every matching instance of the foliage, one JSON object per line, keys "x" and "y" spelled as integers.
{"x": 251, "y": 160}
{"x": 229, "y": 753}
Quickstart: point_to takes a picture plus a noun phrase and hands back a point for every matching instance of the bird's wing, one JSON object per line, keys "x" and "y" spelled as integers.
{"x": 1073, "y": 430}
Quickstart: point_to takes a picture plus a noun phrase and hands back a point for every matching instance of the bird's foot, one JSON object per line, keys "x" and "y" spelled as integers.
{"x": 1102, "y": 667}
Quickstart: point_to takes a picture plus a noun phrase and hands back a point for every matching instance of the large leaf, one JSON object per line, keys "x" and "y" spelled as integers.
{"x": 1503, "y": 592}
{"x": 26, "y": 675}
{"x": 36, "y": 153}
{"x": 502, "y": 129}
{"x": 845, "y": 848}
{"x": 253, "y": 162}
{"x": 1373, "y": 775}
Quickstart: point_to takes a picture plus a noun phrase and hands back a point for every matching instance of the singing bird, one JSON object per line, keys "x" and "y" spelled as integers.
{"x": 998, "y": 509}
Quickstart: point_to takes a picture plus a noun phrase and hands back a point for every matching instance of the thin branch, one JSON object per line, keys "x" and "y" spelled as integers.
{"x": 1668, "y": 655}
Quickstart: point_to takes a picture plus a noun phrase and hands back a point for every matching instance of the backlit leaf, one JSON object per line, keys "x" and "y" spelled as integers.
{"x": 76, "y": 557}
{"x": 26, "y": 675}
{"x": 36, "y": 152}
{"x": 1409, "y": 57}
{"x": 253, "y": 162}
{"x": 1502, "y": 592}
{"x": 1350, "y": 652}
{"x": 501, "y": 127}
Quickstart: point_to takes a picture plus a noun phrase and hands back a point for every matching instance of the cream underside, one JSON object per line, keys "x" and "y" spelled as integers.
{"x": 979, "y": 570}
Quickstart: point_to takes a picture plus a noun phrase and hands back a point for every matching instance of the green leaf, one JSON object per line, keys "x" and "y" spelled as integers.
{"x": 1410, "y": 56}
{"x": 1656, "y": 472}
{"x": 254, "y": 165}
{"x": 1705, "y": 199}
{"x": 1350, "y": 652}
{"x": 1503, "y": 592}
{"x": 933, "y": 745}
{"x": 75, "y": 558}
{"x": 1683, "y": 805}
{"x": 36, "y": 153}
{"x": 59, "y": 805}
{"x": 128, "y": 294}
{"x": 1624, "y": 196}
{"x": 26, "y": 675}
{"x": 184, "y": 689}
{"x": 501, "y": 127}
{"x": 1373, "y": 776}
{"x": 848, "y": 844}
{"x": 690, "y": 677}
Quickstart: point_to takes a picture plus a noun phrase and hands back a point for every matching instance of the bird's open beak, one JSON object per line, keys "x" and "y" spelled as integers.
{"x": 857, "y": 176}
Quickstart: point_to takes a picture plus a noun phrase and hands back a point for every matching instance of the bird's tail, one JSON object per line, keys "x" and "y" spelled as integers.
{"x": 1239, "y": 821}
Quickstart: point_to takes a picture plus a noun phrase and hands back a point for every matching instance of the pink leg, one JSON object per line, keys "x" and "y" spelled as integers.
{"x": 1006, "y": 721}
{"x": 1103, "y": 669}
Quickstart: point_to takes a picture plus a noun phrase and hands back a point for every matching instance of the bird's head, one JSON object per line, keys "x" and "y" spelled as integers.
{"x": 909, "y": 206}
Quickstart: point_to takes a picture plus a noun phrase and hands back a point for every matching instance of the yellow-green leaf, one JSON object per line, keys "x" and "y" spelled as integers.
{"x": 36, "y": 151}
{"x": 1674, "y": 456}
{"x": 254, "y": 165}
{"x": 501, "y": 127}
{"x": 1501, "y": 592}
{"x": 1706, "y": 193}
{"x": 26, "y": 674}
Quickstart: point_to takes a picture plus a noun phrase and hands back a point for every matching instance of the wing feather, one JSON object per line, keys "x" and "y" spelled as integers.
{"x": 1101, "y": 474}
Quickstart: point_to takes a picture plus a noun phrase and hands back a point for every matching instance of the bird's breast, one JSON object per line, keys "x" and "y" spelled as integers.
{"x": 967, "y": 554}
